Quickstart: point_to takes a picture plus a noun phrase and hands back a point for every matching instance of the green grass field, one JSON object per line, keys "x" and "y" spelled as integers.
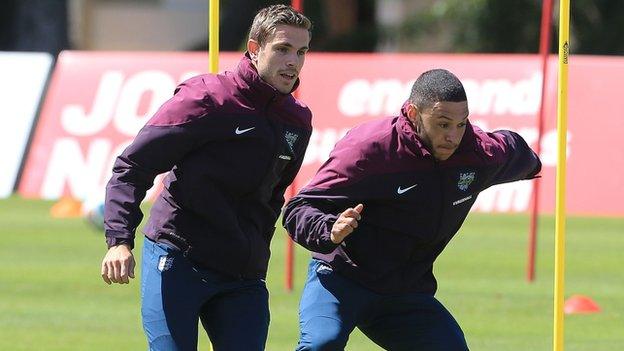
{"x": 52, "y": 297}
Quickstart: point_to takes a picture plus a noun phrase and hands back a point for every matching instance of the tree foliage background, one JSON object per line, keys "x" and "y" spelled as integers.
{"x": 489, "y": 26}
{"x": 506, "y": 26}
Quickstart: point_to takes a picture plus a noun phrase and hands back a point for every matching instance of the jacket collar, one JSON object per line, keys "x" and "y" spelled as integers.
{"x": 418, "y": 146}
{"x": 256, "y": 89}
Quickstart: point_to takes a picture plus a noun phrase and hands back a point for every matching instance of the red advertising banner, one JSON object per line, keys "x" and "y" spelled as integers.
{"x": 98, "y": 101}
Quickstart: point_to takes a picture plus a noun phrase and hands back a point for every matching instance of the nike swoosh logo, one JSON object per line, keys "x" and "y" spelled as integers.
{"x": 239, "y": 131}
{"x": 401, "y": 191}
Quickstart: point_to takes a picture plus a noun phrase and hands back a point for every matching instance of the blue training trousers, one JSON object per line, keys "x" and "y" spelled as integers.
{"x": 175, "y": 295}
{"x": 332, "y": 306}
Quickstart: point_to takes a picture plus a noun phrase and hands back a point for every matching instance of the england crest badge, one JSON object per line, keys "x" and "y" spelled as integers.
{"x": 291, "y": 138}
{"x": 465, "y": 179}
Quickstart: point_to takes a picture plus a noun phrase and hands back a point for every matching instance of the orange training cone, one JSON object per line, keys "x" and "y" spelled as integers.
{"x": 580, "y": 304}
{"x": 66, "y": 207}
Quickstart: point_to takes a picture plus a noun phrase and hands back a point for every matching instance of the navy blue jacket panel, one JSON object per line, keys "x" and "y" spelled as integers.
{"x": 413, "y": 204}
{"x": 232, "y": 144}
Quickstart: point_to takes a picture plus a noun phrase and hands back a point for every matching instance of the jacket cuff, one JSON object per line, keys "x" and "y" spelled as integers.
{"x": 326, "y": 245}
{"x": 537, "y": 170}
{"x": 118, "y": 238}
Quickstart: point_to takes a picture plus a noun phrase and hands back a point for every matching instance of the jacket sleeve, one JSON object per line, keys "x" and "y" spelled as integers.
{"x": 174, "y": 131}
{"x": 309, "y": 220}
{"x": 338, "y": 185}
{"x": 518, "y": 160}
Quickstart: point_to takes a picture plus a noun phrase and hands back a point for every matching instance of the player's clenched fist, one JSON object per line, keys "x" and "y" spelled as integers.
{"x": 118, "y": 265}
{"x": 346, "y": 223}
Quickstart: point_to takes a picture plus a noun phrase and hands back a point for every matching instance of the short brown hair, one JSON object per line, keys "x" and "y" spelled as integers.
{"x": 270, "y": 17}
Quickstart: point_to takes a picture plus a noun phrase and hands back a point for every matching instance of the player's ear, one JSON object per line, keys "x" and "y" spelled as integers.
{"x": 412, "y": 111}
{"x": 253, "y": 47}
{"x": 412, "y": 115}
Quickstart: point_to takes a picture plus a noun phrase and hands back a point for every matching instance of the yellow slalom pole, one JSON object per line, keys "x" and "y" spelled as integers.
{"x": 213, "y": 39}
{"x": 562, "y": 129}
{"x": 213, "y": 47}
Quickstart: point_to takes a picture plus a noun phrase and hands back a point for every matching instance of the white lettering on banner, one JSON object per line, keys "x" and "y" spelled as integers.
{"x": 361, "y": 97}
{"x": 75, "y": 119}
{"x": 502, "y": 96}
{"x": 81, "y": 173}
{"x": 160, "y": 84}
{"x": 510, "y": 197}
{"x": 321, "y": 144}
{"x": 119, "y": 100}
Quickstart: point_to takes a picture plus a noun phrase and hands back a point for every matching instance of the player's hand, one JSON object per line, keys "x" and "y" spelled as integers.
{"x": 118, "y": 265}
{"x": 346, "y": 223}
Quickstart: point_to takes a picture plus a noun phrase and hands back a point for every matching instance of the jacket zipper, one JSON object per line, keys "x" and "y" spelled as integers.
{"x": 247, "y": 267}
{"x": 440, "y": 176}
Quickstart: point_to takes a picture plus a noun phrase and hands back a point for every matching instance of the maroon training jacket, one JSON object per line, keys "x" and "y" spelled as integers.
{"x": 232, "y": 144}
{"x": 413, "y": 204}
